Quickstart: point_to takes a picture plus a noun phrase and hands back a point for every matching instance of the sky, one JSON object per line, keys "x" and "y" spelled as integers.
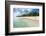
{"x": 20, "y": 11}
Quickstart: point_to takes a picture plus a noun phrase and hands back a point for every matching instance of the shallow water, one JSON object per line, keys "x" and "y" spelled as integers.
{"x": 19, "y": 22}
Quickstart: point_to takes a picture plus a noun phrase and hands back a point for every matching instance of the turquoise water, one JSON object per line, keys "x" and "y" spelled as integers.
{"x": 21, "y": 22}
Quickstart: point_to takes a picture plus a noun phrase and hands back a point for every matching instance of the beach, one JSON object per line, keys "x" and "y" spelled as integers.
{"x": 32, "y": 21}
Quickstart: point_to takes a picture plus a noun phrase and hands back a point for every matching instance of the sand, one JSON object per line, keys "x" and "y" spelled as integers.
{"x": 32, "y": 18}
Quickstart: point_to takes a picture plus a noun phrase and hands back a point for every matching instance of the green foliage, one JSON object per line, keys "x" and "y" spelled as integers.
{"x": 31, "y": 14}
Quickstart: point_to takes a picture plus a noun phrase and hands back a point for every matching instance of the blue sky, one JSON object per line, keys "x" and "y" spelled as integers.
{"x": 20, "y": 11}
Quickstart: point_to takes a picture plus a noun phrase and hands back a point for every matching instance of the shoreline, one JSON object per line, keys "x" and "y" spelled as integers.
{"x": 31, "y": 18}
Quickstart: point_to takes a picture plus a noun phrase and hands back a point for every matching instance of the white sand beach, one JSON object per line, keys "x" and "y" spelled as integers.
{"x": 32, "y": 18}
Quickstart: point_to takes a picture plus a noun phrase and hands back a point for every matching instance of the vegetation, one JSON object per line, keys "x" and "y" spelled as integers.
{"x": 31, "y": 13}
